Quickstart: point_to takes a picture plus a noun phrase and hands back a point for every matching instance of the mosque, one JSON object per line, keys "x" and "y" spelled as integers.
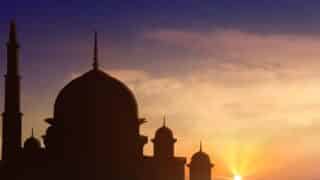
{"x": 94, "y": 134}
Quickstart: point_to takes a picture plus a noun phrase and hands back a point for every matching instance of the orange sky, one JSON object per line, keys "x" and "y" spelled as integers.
{"x": 252, "y": 99}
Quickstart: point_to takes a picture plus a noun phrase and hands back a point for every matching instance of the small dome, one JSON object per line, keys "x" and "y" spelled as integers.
{"x": 164, "y": 133}
{"x": 201, "y": 157}
{"x": 32, "y": 143}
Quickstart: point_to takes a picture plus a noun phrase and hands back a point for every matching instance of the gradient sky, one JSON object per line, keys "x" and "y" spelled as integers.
{"x": 242, "y": 76}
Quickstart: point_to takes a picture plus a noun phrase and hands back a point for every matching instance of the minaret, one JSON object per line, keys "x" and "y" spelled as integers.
{"x": 11, "y": 133}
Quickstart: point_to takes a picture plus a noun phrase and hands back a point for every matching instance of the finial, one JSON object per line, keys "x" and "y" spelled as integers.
{"x": 164, "y": 121}
{"x": 13, "y": 32}
{"x": 95, "y": 55}
{"x": 32, "y": 133}
{"x": 200, "y": 146}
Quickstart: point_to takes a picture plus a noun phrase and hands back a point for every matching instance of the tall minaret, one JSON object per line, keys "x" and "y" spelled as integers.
{"x": 11, "y": 133}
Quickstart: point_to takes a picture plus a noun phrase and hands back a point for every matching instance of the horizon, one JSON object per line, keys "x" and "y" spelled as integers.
{"x": 240, "y": 79}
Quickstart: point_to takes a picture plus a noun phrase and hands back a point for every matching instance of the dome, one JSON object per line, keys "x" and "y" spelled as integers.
{"x": 164, "y": 132}
{"x": 200, "y": 157}
{"x": 95, "y": 126}
{"x": 32, "y": 144}
{"x": 96, "y": 89}
{"x": 93, "y": 108}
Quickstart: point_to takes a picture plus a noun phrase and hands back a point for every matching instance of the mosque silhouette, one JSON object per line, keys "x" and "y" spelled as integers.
{"x": 93, "y": 134}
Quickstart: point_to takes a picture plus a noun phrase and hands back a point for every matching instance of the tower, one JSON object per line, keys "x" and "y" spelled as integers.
{"x": 200, "y": 166}
{"x": 163, "y": 143}
{"x": 11, "y": 142}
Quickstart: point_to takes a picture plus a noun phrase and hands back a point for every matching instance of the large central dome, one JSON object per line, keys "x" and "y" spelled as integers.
{"x": 96, "y": 124}
{"x": 95, "y": 128}
{"x": 98, "y": 90}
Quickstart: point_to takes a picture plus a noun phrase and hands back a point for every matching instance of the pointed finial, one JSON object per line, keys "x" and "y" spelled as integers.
{"x": 164, "y": 121}
{"x": 95, "y": 55}
{"x": 13, "y": 32}
{"x": 200, "y": 146}
{"x": 32, "y": 132}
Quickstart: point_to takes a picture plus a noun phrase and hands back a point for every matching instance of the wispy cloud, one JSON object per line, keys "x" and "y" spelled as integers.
{"x": 251, "y": 98}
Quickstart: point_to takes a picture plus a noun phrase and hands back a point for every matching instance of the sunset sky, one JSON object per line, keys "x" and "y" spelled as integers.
{"x": 242, "y": 76}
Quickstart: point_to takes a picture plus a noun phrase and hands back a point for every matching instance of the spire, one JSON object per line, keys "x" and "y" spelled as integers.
{"x": 164, "y": 121}
{"x": 95, "y": 55}
{"x": 32, "y": 133}
{"x": 12, "y": 50}
{"x": 200, "y": 146}
{"x": 12, "y": 116}
{"x": 13, "y": 32}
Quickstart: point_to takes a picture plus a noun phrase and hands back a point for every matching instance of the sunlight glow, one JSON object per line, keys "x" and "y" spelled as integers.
{"x": 243, "y": 158}
{"x": 237, "y": 177}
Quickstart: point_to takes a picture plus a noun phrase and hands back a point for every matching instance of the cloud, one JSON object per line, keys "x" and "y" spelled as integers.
{"x": 251, "y": 98}
{"x": 253, "y": 123}
{"x": 273, "y": 56}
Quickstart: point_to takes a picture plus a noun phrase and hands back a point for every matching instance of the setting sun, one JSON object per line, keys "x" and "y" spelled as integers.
{"x": 237, "y": 177}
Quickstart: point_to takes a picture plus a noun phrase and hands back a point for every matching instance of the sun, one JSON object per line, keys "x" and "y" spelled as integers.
{"x": 237, "y": 177}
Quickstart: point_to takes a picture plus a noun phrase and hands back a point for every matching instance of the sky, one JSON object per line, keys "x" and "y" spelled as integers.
{"x": 241, "y": 76}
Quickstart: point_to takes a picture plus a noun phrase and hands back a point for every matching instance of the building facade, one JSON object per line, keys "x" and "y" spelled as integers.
{"x": 94, "y": 132}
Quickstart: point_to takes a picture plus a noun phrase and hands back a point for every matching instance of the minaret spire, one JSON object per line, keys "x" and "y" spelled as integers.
{"x": 12, "y": 116}
{"x": 32, "y": 132}
{"x": 164, "y": 121}
{"x": 200, "y": 146}
{"x": 12, "y": 51}
{"x": 13, "y": 32}
{"x": 95, "y": 52}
